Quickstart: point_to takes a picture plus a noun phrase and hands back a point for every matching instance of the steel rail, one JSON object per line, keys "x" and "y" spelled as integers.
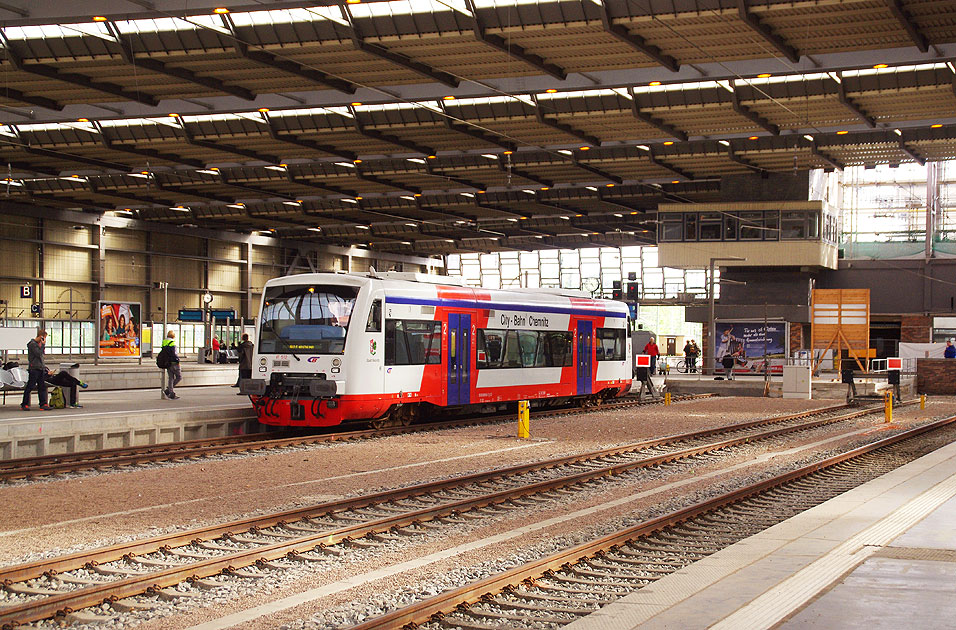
{"x": 126, "y": 456}
{"x": 50, "y": 566}
{"x": 445, "y": 603}
{"x": 109, "y": 591}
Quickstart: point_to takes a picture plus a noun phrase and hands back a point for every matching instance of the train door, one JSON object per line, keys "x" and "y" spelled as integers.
{"x": 459, "y": 358}
{"x": 584, "y": 357}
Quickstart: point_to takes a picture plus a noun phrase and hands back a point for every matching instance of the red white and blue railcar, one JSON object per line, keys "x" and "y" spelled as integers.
{"x": 391, "y": 347}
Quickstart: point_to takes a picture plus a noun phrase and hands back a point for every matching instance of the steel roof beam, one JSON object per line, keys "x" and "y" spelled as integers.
{"x": 56, "y": 74}
{"x": 259, "y": 191}
{"x": 384, "y": 137}
{"x": 153, "y": 65}
{"x": 286, "y": 65}
{"x": 307, "y": 144}
{"x": 510, "y": 168}
{"x": 148, "y": 153}
{"x": 596, "y": 171}
{"x": 732, "y": 155}
{"x": 474, "y": 132}
{"x": 635, "y": 41}
{"x": 913, "y": 154}
{"x": 653, "y": 121}
{"x": 359, "y": 41}
{"x": 511, "y": 49}
{"x": 751, "y": 20}
{"x": 225, "y": 148}
{"x": 850, "y": 105}
{"x": 382, "y": 181}
{"x": 335, "y": 190}
{"x": 815, "y": 150}
{"x": 39, "y": 101}
{"x": 906, "y": 20}
{"x": 453, "y": 178}
{"x": 568, "y": 129}
{"x": 670, "y": 167}
{"x": 602, "y": 197}
{"x": 756, "y": 119}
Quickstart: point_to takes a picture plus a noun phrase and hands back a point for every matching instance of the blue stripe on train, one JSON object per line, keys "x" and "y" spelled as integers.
{"x": 557, "y": 310}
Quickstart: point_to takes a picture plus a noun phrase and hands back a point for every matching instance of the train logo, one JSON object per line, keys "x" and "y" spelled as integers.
{"x": 372, "y": 346}
{"x": 313, "y": 359}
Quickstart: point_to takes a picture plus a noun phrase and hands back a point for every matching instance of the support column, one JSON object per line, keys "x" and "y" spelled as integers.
{"x": 247, "y": 310}
{"x": 932, "y": 206}
{"x": 41, "y": 265}
{"x": 99, "y": 264}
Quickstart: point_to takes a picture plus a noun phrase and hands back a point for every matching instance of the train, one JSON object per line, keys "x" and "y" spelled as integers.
{"x": 395, "y": 347}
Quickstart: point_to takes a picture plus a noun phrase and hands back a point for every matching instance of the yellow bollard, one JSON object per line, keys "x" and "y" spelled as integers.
{"x": 524, "y": 419}
{"x": 667, "y": 398}
{"x": 922, "y": 401}
{"x": 888, "y": 403}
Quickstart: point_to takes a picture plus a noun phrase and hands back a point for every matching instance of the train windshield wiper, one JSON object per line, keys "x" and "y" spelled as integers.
{"x": 288, "y": 345}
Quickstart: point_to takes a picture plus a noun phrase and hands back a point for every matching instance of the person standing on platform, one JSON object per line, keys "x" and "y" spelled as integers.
{"x": 246, "y": 349}
{"x": 690, "y": 355}
{"x": 173, "y": 372}
{"x": 652, "y": 349}
{"x": 215, "y": 350}
{"x": 37, "y": 371}
{"x": 950, "y": 352}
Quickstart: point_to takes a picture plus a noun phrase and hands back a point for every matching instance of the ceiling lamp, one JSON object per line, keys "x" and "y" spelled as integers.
{"x": 842, "y": 133}
{"x": 220, "y": 10}
{"x": 448, "y": 98}
{"x": 752, "y": 138}
{"x": 99, "y": 18}
{"x": 880, "y": 66}
{"x": 654, "y": 83}
{"x": 936, "y": 126}
{"x": 765, "y": 75}
{"x": 668, "y": 143}
{"x": 585, "y": 148}
{"x": 551, "y": 91}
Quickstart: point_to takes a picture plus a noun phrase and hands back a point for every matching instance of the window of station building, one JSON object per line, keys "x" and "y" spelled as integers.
{"x": 772, "y": 224}
{"x": 710, "y": 226}
{"x": 412, "y": 342}
{"x": 751, "y": 226}
{"x": 730, "y": 227}
{"x": 813, "y": 225}
{"x": 610, "y": 344}
{"x": 671, "y": 228}
{"x": 690, "y": 226}
{"x": 793, "y": 226}
{"x": 522, "y": 348}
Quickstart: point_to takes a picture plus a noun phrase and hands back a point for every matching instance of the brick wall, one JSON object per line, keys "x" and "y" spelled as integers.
{"x": 916, "y": 329}
{"x": 936, "y": 376}
{"x": 796, "y": 337}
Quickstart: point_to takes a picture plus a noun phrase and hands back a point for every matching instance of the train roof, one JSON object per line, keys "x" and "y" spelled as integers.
{"x": 405, "y": 280}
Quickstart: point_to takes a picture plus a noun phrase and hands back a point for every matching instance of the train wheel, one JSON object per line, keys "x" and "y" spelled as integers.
{"x": 399, "y": 417}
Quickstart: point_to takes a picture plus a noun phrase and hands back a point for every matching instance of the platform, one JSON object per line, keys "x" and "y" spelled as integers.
{"x": 132, "y": 375}
{"x": 882, "y": 556}
{"x": 115, "y": 418}
{"x": 826, "y": 388}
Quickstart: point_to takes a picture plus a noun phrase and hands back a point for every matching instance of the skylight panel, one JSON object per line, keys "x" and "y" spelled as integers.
{"x": 407, "y": 7}
{"x": 95, "y": 29}
{"x": 289, "y": 16}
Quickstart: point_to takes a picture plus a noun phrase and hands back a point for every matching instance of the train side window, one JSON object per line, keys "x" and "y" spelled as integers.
{"x": 559, "y": 349}
{"x": 512, "y": 352}
{"x": 396, "y": 350}
{"x": 488, "y": 348}
{"x": 528, "y": 347}
{"x": 410, "y": 342}
{"x": 374, "y": 317}
{"x": 611, "y": 344}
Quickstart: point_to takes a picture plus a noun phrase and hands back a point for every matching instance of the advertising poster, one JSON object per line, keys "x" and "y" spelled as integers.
{"x": 746, "y": 342}
{"x": 118, "y": 329}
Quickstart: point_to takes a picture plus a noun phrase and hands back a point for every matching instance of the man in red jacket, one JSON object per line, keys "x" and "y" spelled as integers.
{"x": 652, "y": 349}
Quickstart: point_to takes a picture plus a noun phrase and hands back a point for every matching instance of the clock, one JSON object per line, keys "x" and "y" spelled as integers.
{"x": 207, "y": 298}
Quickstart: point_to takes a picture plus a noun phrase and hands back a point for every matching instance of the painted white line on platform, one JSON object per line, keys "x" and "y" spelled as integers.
{"x": 288, "y": 485}
{"x": 791, "y": 594}
{"x": 352, "y": 582}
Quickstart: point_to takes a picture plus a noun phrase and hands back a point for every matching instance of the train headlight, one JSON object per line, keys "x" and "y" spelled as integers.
{"x": 336, "y": 362}
{"x": 262, "y": 361}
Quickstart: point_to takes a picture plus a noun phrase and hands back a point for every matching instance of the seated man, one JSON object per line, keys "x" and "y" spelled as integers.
{"x": 69, "y": 383}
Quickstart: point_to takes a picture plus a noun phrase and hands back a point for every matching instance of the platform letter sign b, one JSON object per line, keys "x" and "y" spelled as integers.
{"x": 26, "y": 291}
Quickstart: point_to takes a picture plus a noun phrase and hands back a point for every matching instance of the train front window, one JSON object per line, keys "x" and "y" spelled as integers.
{"x": 306, "y": 319}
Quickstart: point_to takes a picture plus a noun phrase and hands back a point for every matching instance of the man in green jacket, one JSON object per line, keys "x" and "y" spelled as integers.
{"x": 173, "y": 373}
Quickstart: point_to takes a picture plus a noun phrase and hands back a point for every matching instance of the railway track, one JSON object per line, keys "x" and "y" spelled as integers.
{"x": 558, "y": 589}
{"x": 57, "y": 586}
{"x": 29, "y": 467}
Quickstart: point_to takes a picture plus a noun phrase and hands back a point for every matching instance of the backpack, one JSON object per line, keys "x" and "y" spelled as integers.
{"x": 57, "y": 399}
{"x": 162, "y": 359}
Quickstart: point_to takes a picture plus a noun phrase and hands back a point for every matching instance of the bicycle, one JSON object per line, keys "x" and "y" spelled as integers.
{"x": 683, "y": 368}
